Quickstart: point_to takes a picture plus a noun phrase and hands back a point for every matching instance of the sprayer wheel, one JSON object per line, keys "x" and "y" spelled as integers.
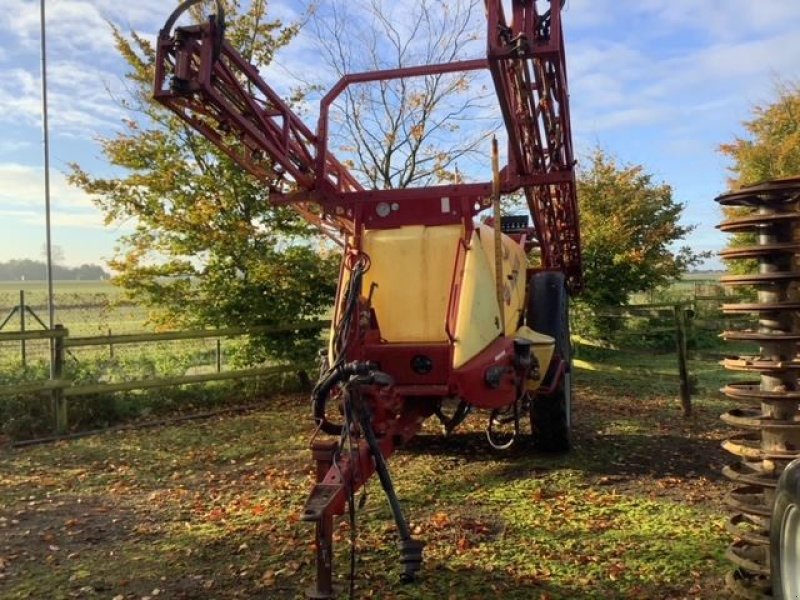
{"x": 548, "y": 313}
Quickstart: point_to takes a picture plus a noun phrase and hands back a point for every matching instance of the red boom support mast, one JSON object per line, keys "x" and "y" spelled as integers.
{"x": 207, "y": 83}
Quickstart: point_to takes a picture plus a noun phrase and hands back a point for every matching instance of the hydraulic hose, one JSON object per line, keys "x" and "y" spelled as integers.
{"x": 219, "y": 22}
{"x": 182, "y": 8}
{"x": 336, "y": 375}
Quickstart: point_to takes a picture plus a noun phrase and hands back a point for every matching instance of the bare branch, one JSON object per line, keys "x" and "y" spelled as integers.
{"x": 405, "y": 132}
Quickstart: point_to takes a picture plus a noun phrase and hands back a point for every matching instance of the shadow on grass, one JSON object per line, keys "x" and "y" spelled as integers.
{"x": 631, "y": 454}
{"x": 637, "y": 460}
{"x": 636, "y": 455}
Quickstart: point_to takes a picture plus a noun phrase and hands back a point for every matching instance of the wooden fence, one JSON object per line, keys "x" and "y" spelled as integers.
{"x": 674, "y": 318}
{"x": 683, "y": 321}
{"x": 61, "y": 389}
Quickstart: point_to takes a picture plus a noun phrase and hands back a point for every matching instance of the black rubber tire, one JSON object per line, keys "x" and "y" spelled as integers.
{"x": 784, "y": 535}
{"x": 548, "y": 313}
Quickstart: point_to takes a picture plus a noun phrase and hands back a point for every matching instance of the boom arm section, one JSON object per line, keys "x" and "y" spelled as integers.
{"x": 527, "y": 62}
{"x": 208, "y": 84}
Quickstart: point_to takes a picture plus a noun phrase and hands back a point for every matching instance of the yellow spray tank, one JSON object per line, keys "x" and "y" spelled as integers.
{"x": 411, "y": 278}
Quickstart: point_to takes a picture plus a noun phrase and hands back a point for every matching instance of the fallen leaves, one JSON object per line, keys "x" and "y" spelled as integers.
{"x": 174, "y": 513}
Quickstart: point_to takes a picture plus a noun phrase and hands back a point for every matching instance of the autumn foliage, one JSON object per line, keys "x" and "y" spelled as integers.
{"x": 770, "y": 151}
{"x": 207, "y": 248}
{"x": 772, "y": 148}
{"x": 629, "y": 225}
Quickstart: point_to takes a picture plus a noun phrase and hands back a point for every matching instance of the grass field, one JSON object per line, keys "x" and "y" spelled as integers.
{"x": 85, "y": 307}
{"x": 210, "y": 509}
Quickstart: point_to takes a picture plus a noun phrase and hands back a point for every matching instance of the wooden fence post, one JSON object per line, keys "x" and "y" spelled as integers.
{"x": 57, "y": 373}
{"x": 679, "y": 315}
{"x": 22, "y": 353}
{"x": 219, "y": 356}
{"x": 110, "y": 345}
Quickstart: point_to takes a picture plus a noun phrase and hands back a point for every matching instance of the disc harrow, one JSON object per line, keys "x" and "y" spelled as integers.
{"x": 768, "y": 422}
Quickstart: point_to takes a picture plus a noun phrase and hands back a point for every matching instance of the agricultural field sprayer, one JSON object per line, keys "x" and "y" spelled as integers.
{"x": 436, "y": 312}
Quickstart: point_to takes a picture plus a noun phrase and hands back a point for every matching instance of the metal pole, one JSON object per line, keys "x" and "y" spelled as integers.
{"x": 498, "y": 237}
{"x": 46, "y": 140}
{"x": 22, "y": 355}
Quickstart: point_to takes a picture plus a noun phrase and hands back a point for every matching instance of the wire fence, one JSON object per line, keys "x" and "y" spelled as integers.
{"x": 60, "y": 387}
{"x": 99, "y": 314}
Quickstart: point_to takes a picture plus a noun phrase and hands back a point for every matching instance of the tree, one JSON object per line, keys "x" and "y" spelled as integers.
{"x": 414, "y": 131}
{"x": 772, "y": 151}
{"x": 629, "y": 224}
{"x": 208, "y": 249}
{"x": 26, "y": 269}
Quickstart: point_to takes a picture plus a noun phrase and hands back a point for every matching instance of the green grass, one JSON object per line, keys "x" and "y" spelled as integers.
{"x": 37, "y": 290}
{"x": 84, "y": 307}
{"x": 210, "y": 509}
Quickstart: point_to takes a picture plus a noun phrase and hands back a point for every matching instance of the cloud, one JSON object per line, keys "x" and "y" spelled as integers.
{"x": 84, "y": 68}
{"x": 78, "y": 26}
{"x": 13, "y": 146}
{"x": 79, "y": 98}
{"x": 740, "y": 66}
{"x": 23, "y": 186}
{"x": 618, "y": 84}
{"x": 721, "y": 19}
{"x": 590, "y": 14}
{"x": 58, "y": 219}
{"x": 19, "y": 96}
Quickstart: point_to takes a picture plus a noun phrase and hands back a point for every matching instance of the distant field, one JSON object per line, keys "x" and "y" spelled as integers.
{"x": 85, "y": 307}
{"x": 692, "y": 286}
{"x": 36, "y": 291}
{"x": 97, "y": 308}
{"x": 704, "y": 276}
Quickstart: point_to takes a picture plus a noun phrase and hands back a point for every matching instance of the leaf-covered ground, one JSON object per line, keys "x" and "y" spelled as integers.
{"x": 210, "y": 509}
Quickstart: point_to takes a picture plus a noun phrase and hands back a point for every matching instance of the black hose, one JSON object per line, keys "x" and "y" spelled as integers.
{"x": 319, "y": 399}
{"x": 182, "y": 8}
{"x": 336, "y": 375}
{"x": 340, "y": 372}
{"x": 410, "y": 549}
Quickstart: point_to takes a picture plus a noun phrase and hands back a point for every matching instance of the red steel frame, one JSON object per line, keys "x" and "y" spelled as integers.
{"x": 203, "y": 79}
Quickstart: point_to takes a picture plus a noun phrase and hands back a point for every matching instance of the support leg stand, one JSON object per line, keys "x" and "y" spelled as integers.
{"x": 323, "y": 588}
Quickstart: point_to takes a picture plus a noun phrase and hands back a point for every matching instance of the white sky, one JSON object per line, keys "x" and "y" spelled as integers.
{"x": 657, "y": 82}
